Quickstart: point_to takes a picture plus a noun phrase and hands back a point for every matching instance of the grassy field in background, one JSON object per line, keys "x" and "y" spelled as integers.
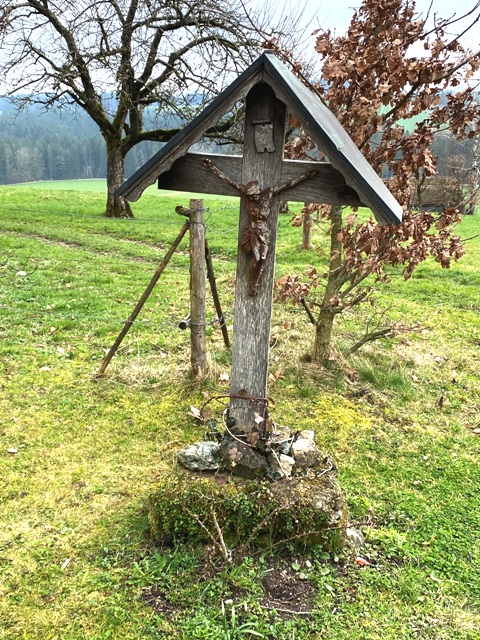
{"x": 79, "y": 455}
{"x": 66, "y": 185}
{"x": 96, "y": 186}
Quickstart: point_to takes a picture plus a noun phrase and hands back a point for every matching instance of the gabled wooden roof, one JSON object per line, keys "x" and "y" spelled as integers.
{"x": 307, "y": 107}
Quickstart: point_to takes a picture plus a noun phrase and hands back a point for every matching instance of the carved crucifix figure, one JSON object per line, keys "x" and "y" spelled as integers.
{"x": 255, "y": 239}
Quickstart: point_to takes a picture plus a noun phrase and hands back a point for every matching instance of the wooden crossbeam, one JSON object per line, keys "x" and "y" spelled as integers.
{"x": 188, "y": 173}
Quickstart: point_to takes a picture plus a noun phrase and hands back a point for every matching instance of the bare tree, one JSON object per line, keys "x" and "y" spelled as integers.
{"x": 117, "y": 59}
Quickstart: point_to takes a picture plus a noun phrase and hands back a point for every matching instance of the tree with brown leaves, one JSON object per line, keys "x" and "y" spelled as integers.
{"x": 393, "y": 64}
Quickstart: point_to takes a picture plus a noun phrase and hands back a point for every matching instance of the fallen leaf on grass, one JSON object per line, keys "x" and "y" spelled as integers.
{"x": 278, "y": 373}
{"x": 207, "y": 414}
{"x": 196, "y": 413}
{"x": 362, "y": 562}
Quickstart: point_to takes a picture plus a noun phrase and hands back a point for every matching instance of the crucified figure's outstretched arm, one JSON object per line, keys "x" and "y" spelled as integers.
{"x": 255, "y": 239}
{"x": 252, "y": 188}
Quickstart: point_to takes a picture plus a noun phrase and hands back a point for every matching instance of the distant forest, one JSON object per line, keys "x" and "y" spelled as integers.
{"x": 50, "y": 145}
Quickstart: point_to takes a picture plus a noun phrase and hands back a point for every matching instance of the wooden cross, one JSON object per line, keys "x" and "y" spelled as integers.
{"x": 265, "y": 121}
{"x": 259, "y": 177}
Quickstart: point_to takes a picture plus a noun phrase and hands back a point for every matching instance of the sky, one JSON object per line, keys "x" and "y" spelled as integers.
{"x": 336, "y": 14}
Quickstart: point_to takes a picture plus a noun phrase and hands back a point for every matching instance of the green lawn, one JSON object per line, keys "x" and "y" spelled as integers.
{"x": 66, "y": 185}
{"x": 93, "y": 185}
{"x": 79, "y": 455}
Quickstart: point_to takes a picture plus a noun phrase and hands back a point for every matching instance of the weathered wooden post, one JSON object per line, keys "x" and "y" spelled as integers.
{"x": 262, "y": 161}
{"x": 216, "y": 299}
{"x": 259, "y": 177}
{"x": 198, "y": 343}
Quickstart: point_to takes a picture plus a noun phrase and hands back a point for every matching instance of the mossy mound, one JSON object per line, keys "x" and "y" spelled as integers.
{"x": 306, "y": 510}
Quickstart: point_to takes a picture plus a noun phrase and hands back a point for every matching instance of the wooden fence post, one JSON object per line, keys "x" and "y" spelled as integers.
{"x": 198, "y": 341}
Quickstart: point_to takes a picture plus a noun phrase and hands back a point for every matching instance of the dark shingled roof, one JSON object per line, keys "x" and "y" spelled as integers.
{"x": 302, "y": 103}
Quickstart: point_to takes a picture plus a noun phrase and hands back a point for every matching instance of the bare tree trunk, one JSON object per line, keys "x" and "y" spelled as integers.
{"x": 322, "y": 350}
{"x": 307, "y": 231}
{"x": 117, "y": 207}
{"x": 419, "y": 190}
{"x": 473, "y": 181}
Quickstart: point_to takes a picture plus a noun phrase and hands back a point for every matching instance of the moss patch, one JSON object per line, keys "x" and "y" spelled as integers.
{"x": 307, "y": 510}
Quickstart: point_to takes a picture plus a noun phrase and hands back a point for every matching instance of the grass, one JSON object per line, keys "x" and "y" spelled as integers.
{"x": 89, "y": 185}
{"x": 94, "y": 185}
{"x": 75, "y": 557}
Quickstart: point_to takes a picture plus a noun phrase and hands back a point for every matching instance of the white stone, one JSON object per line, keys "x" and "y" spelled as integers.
{"x": 200, "y": 456}
{"x": 304, "y": 449}
{"x": 307, "y": 434}
{"x": 287, "y": 463}
{"x": 282, "y": 465}
{"x": 355, "y": 538}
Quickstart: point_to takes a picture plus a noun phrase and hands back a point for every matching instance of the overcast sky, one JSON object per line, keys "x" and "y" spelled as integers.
{"x": 336, "y": 14}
